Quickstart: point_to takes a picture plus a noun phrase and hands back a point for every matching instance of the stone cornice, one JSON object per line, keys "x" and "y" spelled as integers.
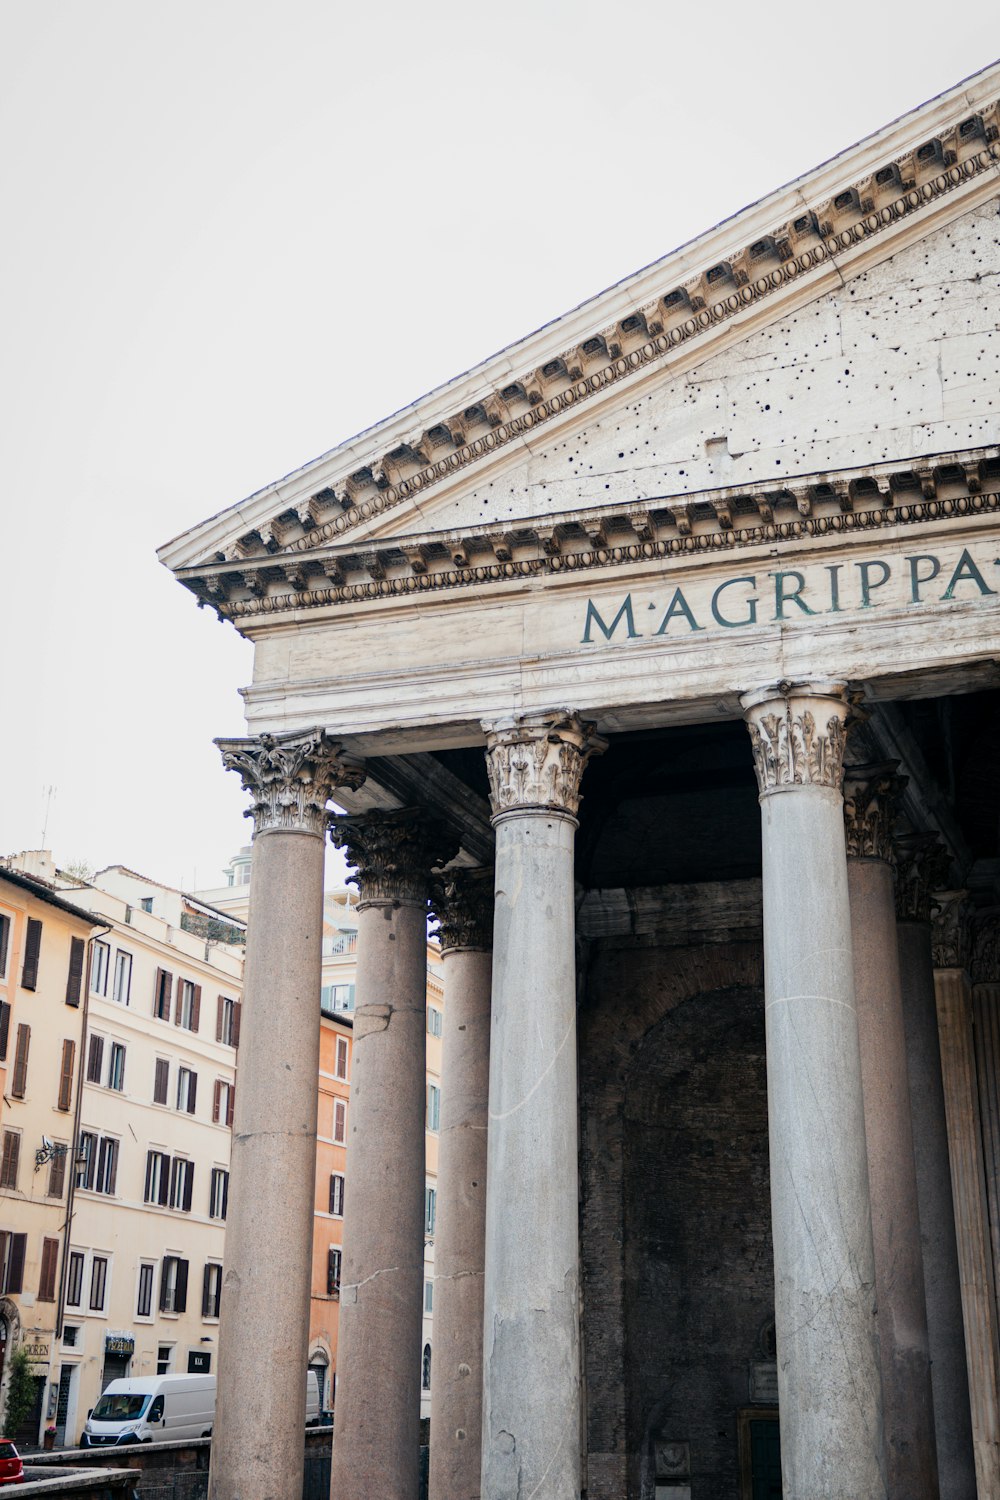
{"x": 949, "y": 486}
{"x": 291, "y": 778}
{"x": 819, "y": 222}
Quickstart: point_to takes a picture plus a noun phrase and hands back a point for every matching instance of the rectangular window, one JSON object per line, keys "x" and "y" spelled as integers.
{"x": 336, "y": 998}
{"x": 340, "y": 1121}
{"x": 12, "y": 1255}
{"x": 211, "y": 1290}
{"x": 227, "y": 1021}
{"x": 173, "y": 1284}
{"x": 187, "y": 1011}
{"x": 47, "y": 1278}
{"x": 32, "y": 948}
{"x": 333, "y": 1272}
{"x": 181, "y": 1184}
{"x": 4, "y": 1028}
{"x": 433, "y": 1020}
{"x": 187, "y": 1090}
{"x": 144, "y": 1295}
{"x": 162, "y": 991}
{"x": 88, "y": 1166}
{"x": 4, "y": 945}
{"x": 95, "y": 1059}
{"x": 222, "y": 1102}
{"x": 106, "y": 1176}
{"x": 218, "y": 1201}
{"x": 340, "y": 1068}
{"x": 9, "y": 1159}
{"x": 146, "y": 902}
{"x": 430, "y": 1209}
{"x": 57, "y": 1176}
{"x": 161, "y": 1081}
{"x": 98, "y": 1283}
{"x": 65, "y": 1099}
{"x": 74, "y": 1279}
{"x": 116, "y": 1067}
{"x": 70, "y": 1335}
{"x": 428, "y": 1297}
{"x": 121, "y": 989}
{"x": 164, "y": 1359}
{"x": 157, "y": 1189}
{"x": 337, "y": 1194}
{"x": 19, "y": 1084}
{"x": 74, "y": 979}
{"x": 100, "y": 959}
{"x": 433, "y": 1107}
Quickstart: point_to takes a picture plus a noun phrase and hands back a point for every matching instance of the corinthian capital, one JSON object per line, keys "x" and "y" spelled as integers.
{"x": 537, "y": 760}
{"x": 921, "y": 869}
{"x": 952, "y": 933}
{"x": 871, "y": 802}
{"x": 291, "y": 778}
{"x": 798, "y": 732}
{"x": 463, "y": 902}
{"x": 393, "y": 853}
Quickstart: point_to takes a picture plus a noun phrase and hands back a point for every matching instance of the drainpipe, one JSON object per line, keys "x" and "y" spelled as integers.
{"x": 77, "y": 1113}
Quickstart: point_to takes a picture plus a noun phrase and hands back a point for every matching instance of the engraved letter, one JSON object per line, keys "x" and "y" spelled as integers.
{"x": 966, "y": 572}
{"x": 751, "y": 603}
{"x": 867, "y": 584}
{"x": 917, "y": 578}
{"x": 593, "y": 617}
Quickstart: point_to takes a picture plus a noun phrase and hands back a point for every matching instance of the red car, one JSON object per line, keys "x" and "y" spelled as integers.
{"x": 11, "y": 1467}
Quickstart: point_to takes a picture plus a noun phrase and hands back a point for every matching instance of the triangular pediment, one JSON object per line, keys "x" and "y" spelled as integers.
{"x": 800, "y": 341}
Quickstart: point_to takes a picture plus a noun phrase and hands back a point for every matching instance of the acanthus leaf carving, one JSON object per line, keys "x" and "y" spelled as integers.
{"x": 538, "y": 760}
{"x": 463, "y": 902}
{"x": 922, "y": 864}
{"x": 952, "y": 932}
{"x": 393, "y": 853}
{"x": 798, "y": 733}
{"x": 291, "y": 778}
{"x": 871, "y": 803}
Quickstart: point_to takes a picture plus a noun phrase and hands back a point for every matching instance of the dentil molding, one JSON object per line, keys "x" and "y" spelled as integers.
{"x": 291, "y": 778}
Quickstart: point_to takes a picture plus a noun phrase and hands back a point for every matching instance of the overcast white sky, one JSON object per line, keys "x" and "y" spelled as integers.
{"x": 236, "y": 233}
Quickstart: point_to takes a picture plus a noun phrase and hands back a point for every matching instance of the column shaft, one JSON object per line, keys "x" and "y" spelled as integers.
{"x": 829, "y": 1382}
{"x": 945, "y": 1332}
{"x": 460, "y": 1243}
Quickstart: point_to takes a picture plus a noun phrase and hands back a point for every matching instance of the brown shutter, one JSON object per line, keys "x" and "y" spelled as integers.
{"x": 161, "y": 1081}
{"x": 9, "y": 1160}
{"x": 192, "y": 1093}
{"x": 220, "y": 1011}
{"x": 66, "y": 1075}
{"x": 237, "y": 1012}
{"x": 162, "y": 994}
{"x": 179, "y": 1006}
{"x": 15, "y": 1264}
{"x": 95, "y": 1059}
{"x": 47, "y": 1279}
{"x": 20, "y": 1082}
{"x": 216, "y": 1101}
{"x": 4, "y": 1028}
{"x": 29, "y": 972}
{"x": 4, "y": 941}
{"x": 77, "y": 947}
{"x": 111, "y": 1176}
{"x": 232, "y": 1104}
{"x": 196, "y": 1008}
{"x": 57, "y": 1176}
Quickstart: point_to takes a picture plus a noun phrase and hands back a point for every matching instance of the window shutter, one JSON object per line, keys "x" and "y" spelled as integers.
{"x": 20, "y": 1082}
{"x": 32, "y": 946}
{"x": 47, "y": 1279}
{"x": 225, "y": 1195}
{"x": 95, "y": 1059}
{"x": 74, "y": 982}
{"x": 231, "y": 1106}
{"x": 66, "y": 1075}
{"x": 179, "y": 1007}
{"x": 333, "y": 1192}
{"x": 161, "y": 1081}
{"x": 332, "y": 1272}
{"x": 192, "y": 1093}
{"x": 9, "y": 1160}
{"x": 196, "y": 1007}
{"x": 180, "y": 1302}
{"x": 4, "y": 940}
{"x": 4, "y": 1028}
{"x": 220, "y": 1012}
{"x": 217, "y": 1100}
{"x": 188, "y": 1186}
{"x": 164, "y": 1283}
{"x": 163, "y": 1197}
{"x": 206, "y": 1292}
{"x": 237, "y": 1012}
{"x": 57, "y": 1177}
{"x": 161, "y": 994}
{"x": 15, "y": 1262}
{"x": 111, "y": 1177}
{"x": 149, "y": 1176}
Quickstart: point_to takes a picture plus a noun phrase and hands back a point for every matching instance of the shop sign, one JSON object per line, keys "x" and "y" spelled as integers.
{"x": 121, "y": 1344}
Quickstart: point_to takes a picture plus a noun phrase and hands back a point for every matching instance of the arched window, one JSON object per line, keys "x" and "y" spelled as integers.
{"x": 425, "y": 1369}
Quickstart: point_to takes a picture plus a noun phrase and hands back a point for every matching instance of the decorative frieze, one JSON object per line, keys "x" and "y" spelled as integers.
{"x": 537, "y": 761}
{"x": 922, "y": 864}
{"x": 952, "y": 932}
{"x": 871, "y": 804}
{"x": 393, "y": 853}
{"x": 291, "y": 778}
{"x": 798, "y": 732}
{"x": 463, "y": 902}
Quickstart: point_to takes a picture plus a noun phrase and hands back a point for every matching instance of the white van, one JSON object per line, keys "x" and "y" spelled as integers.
{"x": 165, "y": 1409}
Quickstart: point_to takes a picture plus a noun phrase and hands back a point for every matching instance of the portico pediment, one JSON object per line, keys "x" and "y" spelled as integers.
{"x": 831, "y": 343}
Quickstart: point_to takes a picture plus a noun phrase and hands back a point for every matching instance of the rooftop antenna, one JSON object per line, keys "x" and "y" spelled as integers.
{"x": 49, "y": 793}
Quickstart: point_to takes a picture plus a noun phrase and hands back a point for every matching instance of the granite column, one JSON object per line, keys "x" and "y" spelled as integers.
{"x": 919, "y": 868}
{"x": 531, "y": 1336}
{"x": 871, "y": 795}
{"x": 829, "y": 1382}
{"x": 377, "y": 1436}
{"x": 257, "y": 1444}
{"x": 462, "y": 900}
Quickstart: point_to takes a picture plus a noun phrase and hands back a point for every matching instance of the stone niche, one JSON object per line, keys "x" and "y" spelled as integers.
{"x": 676, "y": 1233}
